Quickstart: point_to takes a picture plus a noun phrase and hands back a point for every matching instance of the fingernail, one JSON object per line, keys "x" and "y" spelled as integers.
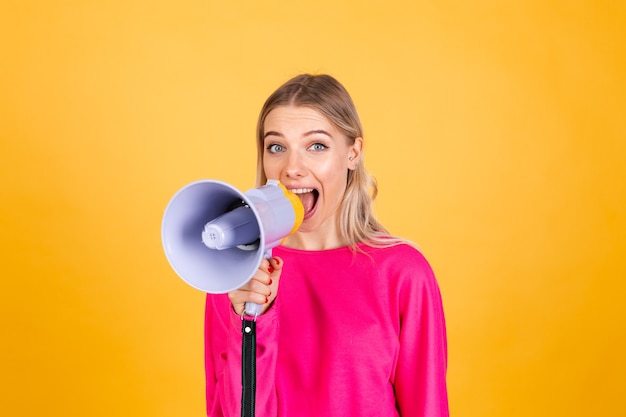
{"x": 267, "y": 300}
{"x": 270, "y": 269}
{"x": 270, "y": 282}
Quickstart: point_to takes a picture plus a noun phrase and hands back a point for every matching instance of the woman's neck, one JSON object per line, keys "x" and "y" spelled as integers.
{"x": 314, "y": 241}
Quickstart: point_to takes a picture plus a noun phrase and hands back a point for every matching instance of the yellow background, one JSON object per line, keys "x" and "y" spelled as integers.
{"x": 496, "y": 130}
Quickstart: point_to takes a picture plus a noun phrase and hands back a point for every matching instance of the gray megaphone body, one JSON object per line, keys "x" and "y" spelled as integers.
{"x": 215, "y": 236}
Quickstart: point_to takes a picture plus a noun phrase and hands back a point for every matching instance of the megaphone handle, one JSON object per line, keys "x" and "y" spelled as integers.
{"x": 254, "y": 309}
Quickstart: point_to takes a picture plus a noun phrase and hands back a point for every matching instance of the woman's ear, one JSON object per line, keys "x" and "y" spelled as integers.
{"x": 354, "y": 153}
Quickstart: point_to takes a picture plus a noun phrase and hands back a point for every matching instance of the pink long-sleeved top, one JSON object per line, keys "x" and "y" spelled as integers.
{"x": 349, "y": 334}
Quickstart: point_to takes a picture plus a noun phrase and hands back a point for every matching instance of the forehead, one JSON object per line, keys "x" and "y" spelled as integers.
{"x": 295, "y": 116}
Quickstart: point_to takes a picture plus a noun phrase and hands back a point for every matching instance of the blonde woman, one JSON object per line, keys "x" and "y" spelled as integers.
{"x": 352, "y": 321}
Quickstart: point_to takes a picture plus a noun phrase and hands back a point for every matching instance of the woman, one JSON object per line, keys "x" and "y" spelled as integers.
{"x": 352, "y": 321}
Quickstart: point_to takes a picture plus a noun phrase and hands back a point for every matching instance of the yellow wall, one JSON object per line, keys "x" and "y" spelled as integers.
{"x": 496, "y": 130}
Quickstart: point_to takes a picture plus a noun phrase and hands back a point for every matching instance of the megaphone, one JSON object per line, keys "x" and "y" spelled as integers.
{"x": 215, "y": 236}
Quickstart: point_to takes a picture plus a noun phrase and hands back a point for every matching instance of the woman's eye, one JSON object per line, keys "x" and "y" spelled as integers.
{"x": 273, "y": 148}
{"x": 318, "y": 147}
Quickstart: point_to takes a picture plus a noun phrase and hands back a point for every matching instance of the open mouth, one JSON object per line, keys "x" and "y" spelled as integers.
{"x": 308, "y": 197}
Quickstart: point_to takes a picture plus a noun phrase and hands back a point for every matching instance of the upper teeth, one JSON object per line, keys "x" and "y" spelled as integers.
{"x": 301, "y": 190}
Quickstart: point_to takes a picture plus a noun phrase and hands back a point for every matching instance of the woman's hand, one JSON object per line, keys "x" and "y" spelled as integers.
{"x": 261, "y": 289}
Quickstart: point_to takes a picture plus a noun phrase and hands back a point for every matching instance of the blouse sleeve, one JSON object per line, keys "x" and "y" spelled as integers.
{"x": 223, "y": 338}
{"x": 420, "y": 377}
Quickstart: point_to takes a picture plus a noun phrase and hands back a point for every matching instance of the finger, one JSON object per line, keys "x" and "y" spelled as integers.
{"x": 258, "y": 286}
{"x": 276, "y": 265}
{"x": 261, "y": 289}
{"x": 239, "y": 298}
{"x": 264, "y": 272}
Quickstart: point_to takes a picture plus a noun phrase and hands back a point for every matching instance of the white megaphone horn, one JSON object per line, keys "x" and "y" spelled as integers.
{"x": 215, "y": 236}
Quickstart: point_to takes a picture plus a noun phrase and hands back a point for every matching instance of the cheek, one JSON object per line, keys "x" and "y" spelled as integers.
{"x": 270, "y": 168}
{"x": 332, "y": 168}
{"x": 335, "y": 181}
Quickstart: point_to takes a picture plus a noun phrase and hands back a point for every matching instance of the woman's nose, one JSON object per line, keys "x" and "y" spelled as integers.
{"x": 295, "y": 167}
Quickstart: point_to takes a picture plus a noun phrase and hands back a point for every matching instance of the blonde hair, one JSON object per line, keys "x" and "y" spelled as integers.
{"x": 323, "y": 93}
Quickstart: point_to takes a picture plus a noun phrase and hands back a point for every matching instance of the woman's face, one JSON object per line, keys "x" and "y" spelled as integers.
{"x": 311, "y": 157}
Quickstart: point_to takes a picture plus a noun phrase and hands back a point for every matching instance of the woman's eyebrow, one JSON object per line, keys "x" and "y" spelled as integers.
{"x": 309, "y": 133}
{"x": 272, "y": 133}
{"x": 319, "y": 131}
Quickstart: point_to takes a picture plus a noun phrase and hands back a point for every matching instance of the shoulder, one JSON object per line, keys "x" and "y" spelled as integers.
{"x": 404, "y": 264}
{"x": 399, "y": 254}
{"x": 410, "y": 279}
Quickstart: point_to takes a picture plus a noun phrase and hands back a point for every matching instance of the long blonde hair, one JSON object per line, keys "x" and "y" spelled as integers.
{"x": 323, "y": 93}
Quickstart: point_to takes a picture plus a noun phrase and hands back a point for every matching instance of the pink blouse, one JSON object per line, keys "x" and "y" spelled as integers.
{"x": 350, "y": 334}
